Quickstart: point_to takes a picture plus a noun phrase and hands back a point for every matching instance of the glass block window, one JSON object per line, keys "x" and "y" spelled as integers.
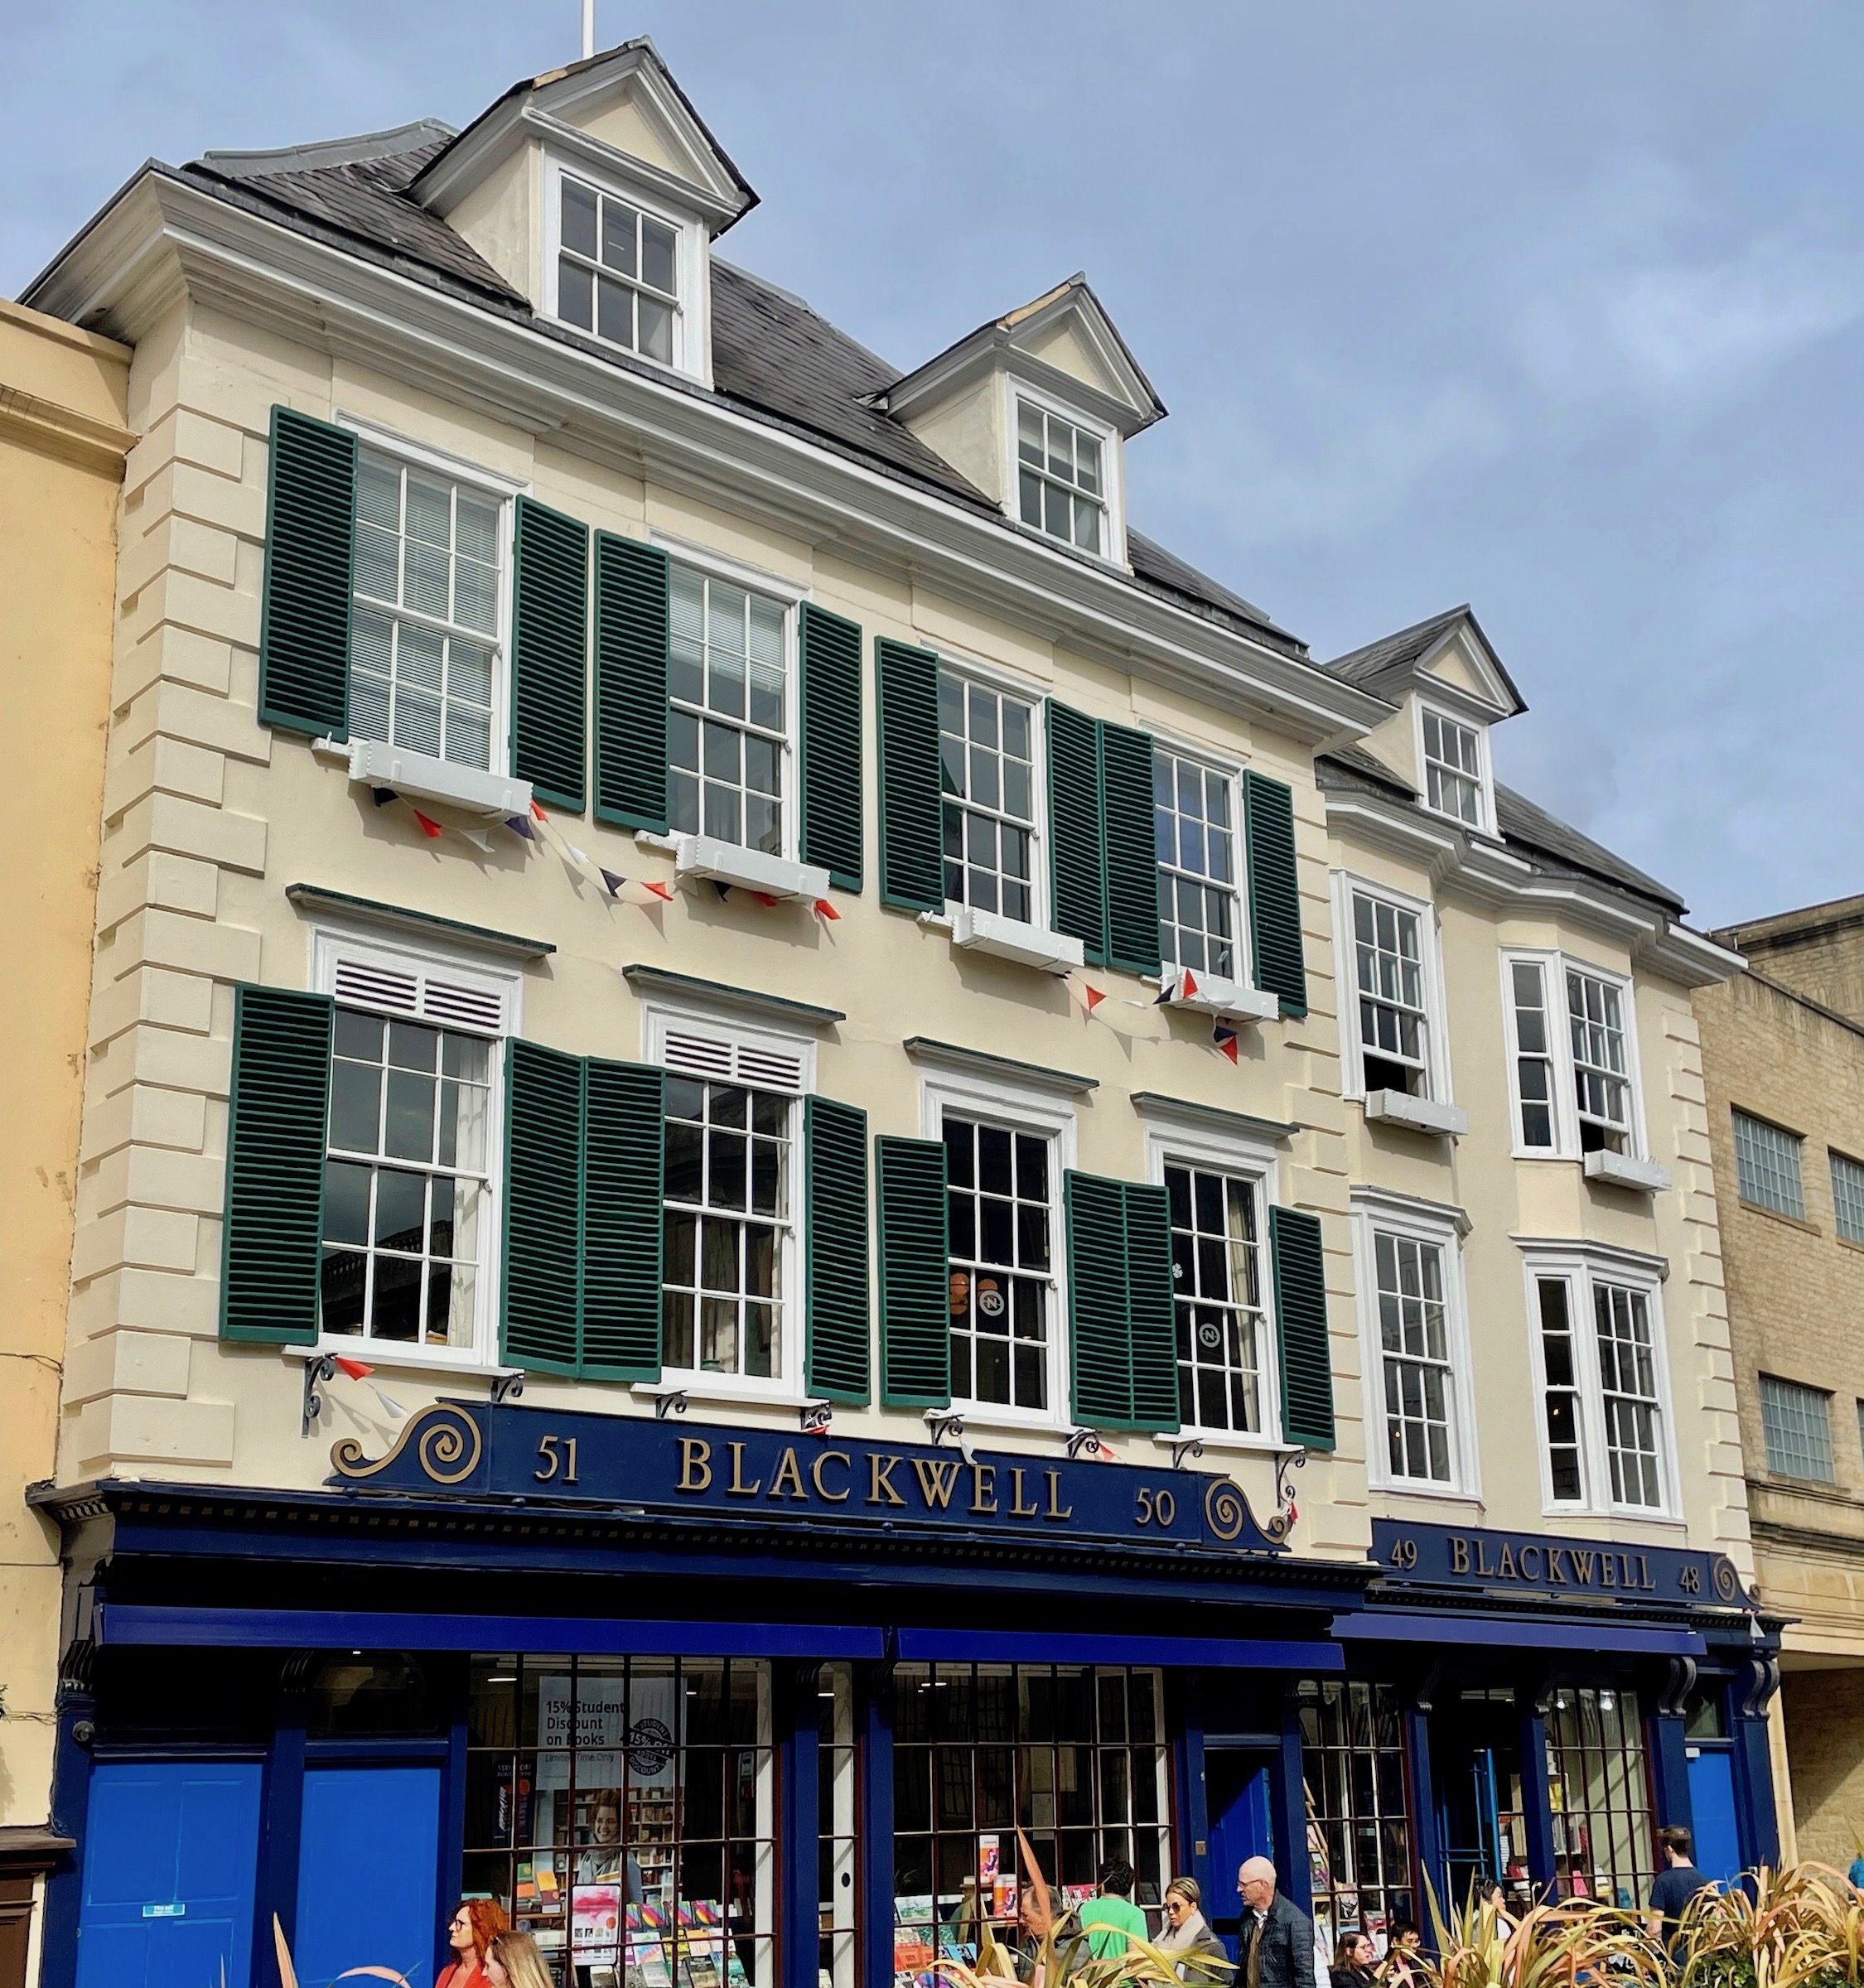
{"x": 1847, "y": 1197}
{"x": 1595, "y": 1017}
{"x": 1358, "y": 1809}
{"x": 1797, "y": 1422}
{"x": 1414, "y": 1339}
{"x": 1002, "y": 1213}
{"x": 406, "y": 1182}
{"x": 1076, "y": 1757}
{"x": 726, "y": 719}
{"x": 1628, "y": 1379}
{"x": 837, "y": 1826}
{"x": 1060, "y": 488}
{"x": 424, "y": 632}
{"x": 1561, "y": 1400}
{"x": 1388, "y": 957}
{"x": 1219, "y": 1283}
{"x": 1453, "y": 768}
{"x": 1767, "y": 1166}
{"x": 617, "y": 272}
{"x": 728, "y": 1229}
{"x": 1534, "y": 1058}
{"x": 987, "y": 769}
{"x": 623, "y": 1811}
{"x": 1196, "y": 866}
{"x": 1599, "y": 1780}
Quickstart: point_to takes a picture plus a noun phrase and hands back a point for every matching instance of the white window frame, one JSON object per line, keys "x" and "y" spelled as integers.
{"x": 1005, "y": 683}
{"x": 332, "y": 943}
{"x": 1376, "y": 1212}
{"x": 692, "y": 315}
{"x": 1231, "y": 775}
{"x": 1113, "y": 550}
{"x": 1018, "y": 1108}
{"x": 662, "y": 1014}
{"x": 1580, "y": 1266}
{"x": 1484, "y": 824}
{"x": 504, "y": 491}
{"x": 1214, "y": 1151}
{"x": 1554, "y": 966}
{"x": 1346, "y": 886}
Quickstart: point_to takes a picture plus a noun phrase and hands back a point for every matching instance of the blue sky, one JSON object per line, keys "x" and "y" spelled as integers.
{"x": 1555, "y": 307}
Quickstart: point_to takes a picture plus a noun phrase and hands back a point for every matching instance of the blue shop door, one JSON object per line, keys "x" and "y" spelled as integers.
{"x": 170, "y": 1849}
{"x": 1711, "y": 1809}
{"x": 368, "y": 1867}
{"x": 1236, "y": 1794}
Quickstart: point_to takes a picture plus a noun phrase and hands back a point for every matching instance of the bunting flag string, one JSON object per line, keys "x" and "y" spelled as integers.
{"x": 663, "y": 892}
{"x": 611, "y": 882}
{"x": 1225, "y": 1039}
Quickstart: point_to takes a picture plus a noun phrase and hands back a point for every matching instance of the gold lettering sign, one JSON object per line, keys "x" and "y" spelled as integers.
{"x": 1543, "y": 1563}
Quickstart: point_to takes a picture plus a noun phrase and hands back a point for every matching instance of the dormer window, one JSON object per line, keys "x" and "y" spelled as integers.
{"x": 617, "y": 271}
{"x": 1060, "y": 488}
{"x": 1453, "y": 770}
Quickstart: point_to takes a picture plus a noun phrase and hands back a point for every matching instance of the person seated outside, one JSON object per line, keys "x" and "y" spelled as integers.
{"x": 1405, "y": 1965}
{"x": 1355, "y": 1959}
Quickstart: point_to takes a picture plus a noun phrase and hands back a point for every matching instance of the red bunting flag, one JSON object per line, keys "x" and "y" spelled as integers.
{"x": 539, "y": 811}
{"x": 356, "y": 1370}
{"x": 429, "y": 827}
{"x": 1187, "y": 987}
{"x": 660, "y": 890}
{"x": 1094, "y": 997}
{"x": 1225, "y": 1041}
{"x": 764, "y": 898}
{"x": 823, "y": 909}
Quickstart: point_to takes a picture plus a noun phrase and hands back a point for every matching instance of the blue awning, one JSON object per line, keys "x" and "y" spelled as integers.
{"x": 1498, "y": 1631}
{"x": 1038, "y": 1646}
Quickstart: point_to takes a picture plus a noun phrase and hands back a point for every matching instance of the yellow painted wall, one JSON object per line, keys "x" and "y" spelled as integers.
{"x": 62, "y": 442}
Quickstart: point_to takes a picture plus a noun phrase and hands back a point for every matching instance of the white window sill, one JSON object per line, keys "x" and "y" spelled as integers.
{"x": 1211, "y": 994}
{"x": 1442, "y": 1494}
{"x": 1619, "y": 1170}
{"x": 1226, "y": 1440}
{"x": 993, "y": 1414}
{"x": 706, "y": 857}
{"x": 417, "y": 776}
{"x": 1419, "y": 1114}
{"x": 1009, "y": 939}
{"x": 710, "y": 1390}
{"x": 1636, "y": 1515}
{"x": 403, "y": 1359}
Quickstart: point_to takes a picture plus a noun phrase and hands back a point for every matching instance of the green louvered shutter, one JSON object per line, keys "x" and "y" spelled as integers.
{"x": 1077, "y": 853}
{"x": 1300, "y": 1325}
{"x": 1128, "y": 816}
{"x": 835, "y": 1250}
{"x": 830, "y": 779}
{"x": 542, "y": 1284}
{"x": 1274, "y": 891}
{"x": 624, "y": 1141}
{"x": 912, "y": 867}
{"x": 1099, "y": 1336}
{"x": 1151, "y": 1327}
{"x": 278, "y": 1124}
{"x": 631, "y": 638}
{"x": 914, "y": 1273}
{"x": 550, "y": 653}
{"x": 310, "y": 549}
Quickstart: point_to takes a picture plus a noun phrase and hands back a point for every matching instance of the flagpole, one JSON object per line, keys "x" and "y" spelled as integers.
{"x": 588, "y": 29}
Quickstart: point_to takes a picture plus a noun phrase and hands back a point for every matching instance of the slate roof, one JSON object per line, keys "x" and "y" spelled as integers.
{"x": 772, "y": 355}
{"x": 1553, "y": 846}
{"x": 1368, "y": 667}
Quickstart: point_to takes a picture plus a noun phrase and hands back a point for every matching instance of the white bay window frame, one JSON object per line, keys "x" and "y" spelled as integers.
{"x": 1348, "y": 887}
{"x": 1554, "y": 966}
{"x": 1584, "y": 1270}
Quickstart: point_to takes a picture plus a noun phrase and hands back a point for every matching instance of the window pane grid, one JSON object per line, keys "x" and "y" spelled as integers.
{"x": 1561, "y": 1408}
{"x": 1767, "y": 1166}
{"x": 726, "y": 683}
{"x": 423, "y": 645}
{"x": 1414, "y": 1339}
{"x": 1628, "y": 1379}
{"x": 616, "y": 272}
{"x": 1596, "y": 1016}
{"x": 1058, "y": 477}
{"x": 1599, "y": 1782}
{"x": 727, "y": 1229}
{"x": 1358, "y": 1821}
{"x": 1075, "y": 1757}
{"x": 987, "y": 771}
{"x": 1001, "y": 1215}
{"x": 1217, "y": 1277}
{"x": 622, "y": 1810}
{"x": 1797, "y": 1421}
{"x": 1387, "y": 949}
{"x": 405, "y": 1182}
{"x": 1533, "y": 1063}
{"x": 1453, "y": 769}
{"x": 1197, "y": 866}
{"x": 837, "y": 1827}
{"x": 1847, "y": 1197}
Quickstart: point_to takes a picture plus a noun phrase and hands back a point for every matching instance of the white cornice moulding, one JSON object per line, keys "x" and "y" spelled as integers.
{"x": 1620, "y": 1169}
{"x": 419, "y": 776}
{"x": 164, "y": 237}
{"x": 1420, "y": 1114}
{"x": 706, "y": 857}
{"x": 1009, "y": 939}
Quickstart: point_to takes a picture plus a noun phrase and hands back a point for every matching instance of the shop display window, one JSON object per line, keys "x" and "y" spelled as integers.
{"x": 1599, "y": 1782}
{"x": 622, "y": 1809}
{"x": 1358, "y": 1811}
{"x": 1075, "y": 1757}
{"x": 838, "y": 1826}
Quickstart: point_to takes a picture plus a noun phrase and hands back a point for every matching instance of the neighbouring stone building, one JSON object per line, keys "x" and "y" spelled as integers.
{"x": 792, "y": 1154}
{"x": 1783, "y": 1048}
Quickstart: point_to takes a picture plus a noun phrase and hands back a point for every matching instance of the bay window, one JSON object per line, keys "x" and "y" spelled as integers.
{"x": 1572, "y": 1059}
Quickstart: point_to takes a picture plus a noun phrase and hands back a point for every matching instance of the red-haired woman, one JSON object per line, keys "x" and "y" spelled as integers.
{"x": 475, "y": 1925}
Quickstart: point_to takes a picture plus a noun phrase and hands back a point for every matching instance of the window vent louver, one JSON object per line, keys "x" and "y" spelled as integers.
{"x": 769, "y": 1070}
{"x": 707, "y": 1056}
{"x": 378, "y": 987}
{"x": 367, "y": 984}
{"x": 463, "y": 1007}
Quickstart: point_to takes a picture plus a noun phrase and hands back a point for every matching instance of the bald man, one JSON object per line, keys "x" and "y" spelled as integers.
{"x": 1276, "y": 1949}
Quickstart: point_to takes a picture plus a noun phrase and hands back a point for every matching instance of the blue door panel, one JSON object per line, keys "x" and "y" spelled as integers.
{"x": 1238, "y": 1799}
{"x": 369, "y": 1862}
{"x": 1711, "y": 1809}
{"x": 170, "y": 1849}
